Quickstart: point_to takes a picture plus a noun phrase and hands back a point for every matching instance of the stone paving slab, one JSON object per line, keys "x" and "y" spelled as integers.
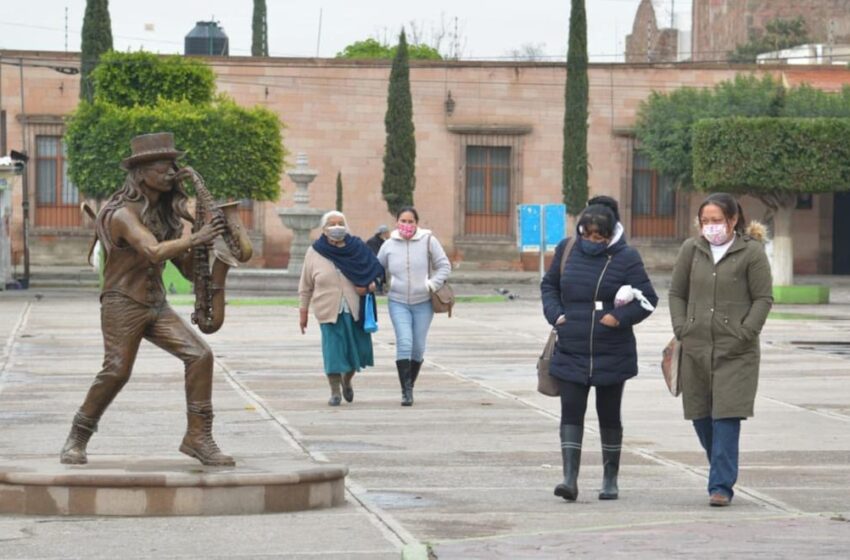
{"x": 793, "y": 537}
{"x": 470, "y": 468}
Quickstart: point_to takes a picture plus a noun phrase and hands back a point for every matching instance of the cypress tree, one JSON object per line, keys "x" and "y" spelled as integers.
{"x": 97, "y": 39}
{"x": 339, "y": 191}
{"x": 260, "y": 30}
{"x": 575, "y": 113}
{"x": 400, "y": 149}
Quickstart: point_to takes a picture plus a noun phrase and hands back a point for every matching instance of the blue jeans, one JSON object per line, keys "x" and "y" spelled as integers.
{"x": 411, "y": 324}
{"x": 720, "y": 438}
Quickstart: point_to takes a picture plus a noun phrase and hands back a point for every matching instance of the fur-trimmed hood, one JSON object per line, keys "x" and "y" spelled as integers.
{"x": 756, "y": 230}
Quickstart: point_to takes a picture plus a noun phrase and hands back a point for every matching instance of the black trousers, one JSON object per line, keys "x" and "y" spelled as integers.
{"x": 574, "y": 404}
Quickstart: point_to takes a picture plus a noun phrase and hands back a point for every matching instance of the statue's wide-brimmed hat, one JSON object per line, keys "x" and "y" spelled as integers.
{"x": 151, "y": 147}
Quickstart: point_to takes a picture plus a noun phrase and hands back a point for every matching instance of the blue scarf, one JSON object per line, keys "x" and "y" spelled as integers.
{"x": 354, "y": 259}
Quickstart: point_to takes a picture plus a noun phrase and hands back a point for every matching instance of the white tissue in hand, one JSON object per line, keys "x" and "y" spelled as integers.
{"x": 625, "y": 295}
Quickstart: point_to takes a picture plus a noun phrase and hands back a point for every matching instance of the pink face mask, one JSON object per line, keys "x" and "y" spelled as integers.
{"x": 715, "y": 234}
{"x": 406, "y": 230}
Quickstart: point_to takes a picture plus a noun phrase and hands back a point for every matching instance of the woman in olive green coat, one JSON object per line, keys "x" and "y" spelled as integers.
{"x": 720, "y": 296}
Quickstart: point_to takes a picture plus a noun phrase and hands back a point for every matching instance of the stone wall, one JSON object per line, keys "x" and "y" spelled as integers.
{"x": 334, "y": 111}
{"x": 720, "y": 25}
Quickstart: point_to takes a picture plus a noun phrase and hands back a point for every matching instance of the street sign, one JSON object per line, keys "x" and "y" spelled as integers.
{"x": 534, "y": 218}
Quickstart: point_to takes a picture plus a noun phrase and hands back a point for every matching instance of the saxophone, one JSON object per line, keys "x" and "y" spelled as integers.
{"x": 209, "y": 281}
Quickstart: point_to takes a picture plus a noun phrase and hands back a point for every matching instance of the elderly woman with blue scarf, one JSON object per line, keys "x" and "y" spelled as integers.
{"x": 339, "y": 270}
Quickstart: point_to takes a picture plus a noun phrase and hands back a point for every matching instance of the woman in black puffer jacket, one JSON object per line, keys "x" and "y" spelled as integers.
{"x": 596, "y": 345}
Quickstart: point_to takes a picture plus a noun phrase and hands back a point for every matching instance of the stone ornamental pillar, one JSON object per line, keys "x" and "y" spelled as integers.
{"x": 301, "y": 219}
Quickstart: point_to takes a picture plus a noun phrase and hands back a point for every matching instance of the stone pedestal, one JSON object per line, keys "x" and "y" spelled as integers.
{"x": 143, "y": 486}
{"x": 301, "y": 219}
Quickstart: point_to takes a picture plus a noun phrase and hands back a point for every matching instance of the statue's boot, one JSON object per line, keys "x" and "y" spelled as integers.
{"x": 74, "y": 450}
{"x": 198, "y": 441}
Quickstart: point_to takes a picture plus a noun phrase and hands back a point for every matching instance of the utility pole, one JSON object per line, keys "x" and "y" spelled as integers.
{"x": 319, "y": 34}
{"x": 66, "y": 28}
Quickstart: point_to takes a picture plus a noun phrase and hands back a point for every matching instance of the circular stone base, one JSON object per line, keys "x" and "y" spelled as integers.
{"x": 140, "y": 486}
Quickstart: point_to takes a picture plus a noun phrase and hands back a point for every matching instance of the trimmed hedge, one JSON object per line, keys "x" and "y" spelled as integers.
{"x": 143, "y": 78}
{"x": 758, "y": 155}
{"x": 238, "y": 151}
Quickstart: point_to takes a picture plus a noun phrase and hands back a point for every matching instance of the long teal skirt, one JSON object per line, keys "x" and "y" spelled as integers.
{"x": 346, "y": 346}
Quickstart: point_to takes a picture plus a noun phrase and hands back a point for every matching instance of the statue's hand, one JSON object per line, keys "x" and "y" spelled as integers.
{"x": 183, "y": 174}
{"x": 209, "y": 232}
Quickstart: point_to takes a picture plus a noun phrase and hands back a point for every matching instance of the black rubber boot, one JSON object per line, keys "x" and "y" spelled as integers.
{"x": 414, "y": 371}
{"x": 403, "y": 367}
{"x": 571, "y": 437}
{"x": 612, "y": 443}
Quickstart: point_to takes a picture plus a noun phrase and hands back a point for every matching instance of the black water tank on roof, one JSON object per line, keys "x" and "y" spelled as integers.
{"x": 207, "y": 38}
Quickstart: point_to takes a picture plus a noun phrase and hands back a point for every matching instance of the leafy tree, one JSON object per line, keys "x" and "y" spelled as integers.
{"x": 400, "y": 149}
{"x": 143, "y": 78}
{"x": 665, "y": 120}
{"x": 97, "y": 39}
{"x": 259, "y": 30}
{"x": 782, "y": 158}
{"x": 339, "y": 191}
{"x": 142, "y": 94}
{"x": 575, "y": 114}
{"x": 778, "y": 34}
{"x": 371, "y": 49}
{"x": 667, "y": 129}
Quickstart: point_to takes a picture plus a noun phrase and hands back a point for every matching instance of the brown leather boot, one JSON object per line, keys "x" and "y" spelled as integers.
{"x": 74, "y": 450}
{"x": 198, "y": 441}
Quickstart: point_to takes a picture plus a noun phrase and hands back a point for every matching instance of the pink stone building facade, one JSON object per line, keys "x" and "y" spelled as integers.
{"x": 499, "y": 146}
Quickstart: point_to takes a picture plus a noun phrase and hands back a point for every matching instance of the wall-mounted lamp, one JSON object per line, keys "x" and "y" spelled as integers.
{"x": 449, "y": 104}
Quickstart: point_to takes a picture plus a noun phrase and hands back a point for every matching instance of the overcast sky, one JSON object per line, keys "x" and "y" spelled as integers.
{"x": 486, "y": 29}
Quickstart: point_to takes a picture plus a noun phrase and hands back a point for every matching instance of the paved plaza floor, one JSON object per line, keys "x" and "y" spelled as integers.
{"x": 468, "y": 471}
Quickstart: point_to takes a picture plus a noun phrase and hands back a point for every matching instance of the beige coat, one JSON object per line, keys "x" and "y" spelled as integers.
{"x": 718, "y": 311}
{"x": 323, "y": 287}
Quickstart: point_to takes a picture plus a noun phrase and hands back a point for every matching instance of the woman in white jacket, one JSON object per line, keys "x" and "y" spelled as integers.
{"x": 413, "y": 276}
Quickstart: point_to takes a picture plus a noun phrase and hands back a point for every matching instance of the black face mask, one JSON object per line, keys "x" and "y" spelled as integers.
{"x": 590, "y": 248}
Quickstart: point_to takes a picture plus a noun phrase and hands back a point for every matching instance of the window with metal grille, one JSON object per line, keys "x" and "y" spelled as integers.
{"x": 56, "y": 198}
{"x": 653, "y": 201}
{"x": 488, "y": 191}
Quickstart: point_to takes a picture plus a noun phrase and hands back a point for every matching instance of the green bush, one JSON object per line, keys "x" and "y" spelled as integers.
{"x": 143, "y": 78}
{"x": 806, "y": 101}
{"x": 371, "y": 49}
{"x": 759, "y": 155}
{"x": 665, "y": 121}
{"x": 238, "y": 151}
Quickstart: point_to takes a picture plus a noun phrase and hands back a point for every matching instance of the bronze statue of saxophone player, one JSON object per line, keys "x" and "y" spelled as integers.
{"x": 140, "y": 228}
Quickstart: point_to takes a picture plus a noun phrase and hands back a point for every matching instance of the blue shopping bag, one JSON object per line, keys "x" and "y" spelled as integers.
{"x": 370, "y": 321}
